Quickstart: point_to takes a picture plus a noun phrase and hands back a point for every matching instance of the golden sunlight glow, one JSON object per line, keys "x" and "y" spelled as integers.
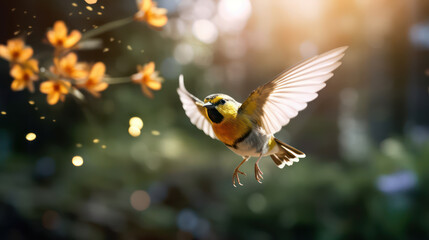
{"x": 140, "y": 200}
{"x": 205, "y": 31}
{"x": 134, "y": 131}
{"x": 236, "y": 10}
{"x": 30, "y": 136}
{"x": 77, "y": 161}
{"x": 136, "y": 122}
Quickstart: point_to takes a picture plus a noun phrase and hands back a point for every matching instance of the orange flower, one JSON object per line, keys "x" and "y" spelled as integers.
{"x": 69, "y": 67}
{"x": 24, "y": 76}
{"x": 148, "y": 78}
{"x": 94, "y": 83}
{"x": 149, "y": 13}
{"x": 16, "y": 51}
{"x": 56, "y": 89}
{"x": 58, "y": 36}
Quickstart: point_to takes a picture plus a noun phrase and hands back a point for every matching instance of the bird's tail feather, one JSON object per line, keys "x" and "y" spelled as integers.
{"x": 287, "y": 154}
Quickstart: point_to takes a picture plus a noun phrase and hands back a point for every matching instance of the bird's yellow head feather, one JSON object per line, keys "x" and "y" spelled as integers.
{"x": 220, "y": 107}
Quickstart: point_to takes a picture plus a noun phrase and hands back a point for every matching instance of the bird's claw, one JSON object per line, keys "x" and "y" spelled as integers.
{"x": 258, "y": 174}
{"x": 235, "y": 176}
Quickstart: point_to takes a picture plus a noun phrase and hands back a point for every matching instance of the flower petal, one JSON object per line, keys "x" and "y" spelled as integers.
{"x": 47, "y": 87}
{"x": 149, "y": 68}
{"x": 97, "y": 72}
{"x": 100, "y": 87}
{"x": 15, "y": 44}
{"x": 17, "y": 84}
{"x": 33, "y": 64}
{"x": 53, "y": 98}
{"x": 137, "y": 77}
{"x": 60, "y": 29}
{"x": 17, "y": 72}
{"x": 30, "y": 86}
{"x": 25, "y": 54}
{"x": 72, "y": 39}
{"x": 64, "y": 86}
{"x": 52, "y": 38}
{"x": 154, "y": 85}
{"x": 144, "y": 5}
{"x": 157, "y": 19}
{"x": 4, "y": 52}
{"x": 146, "y": 91}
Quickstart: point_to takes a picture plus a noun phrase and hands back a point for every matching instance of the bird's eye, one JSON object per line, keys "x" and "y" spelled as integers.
{"x": 222, "y": 101}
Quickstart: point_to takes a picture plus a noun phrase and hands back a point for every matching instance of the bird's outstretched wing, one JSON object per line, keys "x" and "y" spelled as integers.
{"x": 275, "y": 103}
{"x": 194, "y": 109}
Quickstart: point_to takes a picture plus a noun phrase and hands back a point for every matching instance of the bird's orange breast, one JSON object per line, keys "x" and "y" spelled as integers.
{"x": 229, "y": 130}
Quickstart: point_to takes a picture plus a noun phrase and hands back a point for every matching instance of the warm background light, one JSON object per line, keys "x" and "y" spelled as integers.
{"x": 77, "y": 161}
{"x": 134, "y": 131}
{"x": 136, "y": 122}
{"x": 30, "y": 136}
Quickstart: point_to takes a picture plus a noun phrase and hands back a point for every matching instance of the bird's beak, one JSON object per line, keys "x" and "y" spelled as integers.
{"x": 208, "y": 105}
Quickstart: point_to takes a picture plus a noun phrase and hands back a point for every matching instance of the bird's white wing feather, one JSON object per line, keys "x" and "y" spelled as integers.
{"x": 194, "y": 109}
{"x": 275, "y": 103}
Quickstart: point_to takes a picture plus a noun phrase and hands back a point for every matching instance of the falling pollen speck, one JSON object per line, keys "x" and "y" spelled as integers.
{"x": 105, "y": 50}
{"x": 42, "y": 117}
{"x": 99, "y": 13}
{"x": 103, "y": 146}
{"x": 3, "y": 113}
{"x": 13, "y": 9}
{"x": 74, "y": 4}
{"x": 129, "y": 47}
{"x": 89, "y": 8}
{"x": 78, "y": 145}
{"x": 31, "y": 102}
{"x": 96, "y": 140}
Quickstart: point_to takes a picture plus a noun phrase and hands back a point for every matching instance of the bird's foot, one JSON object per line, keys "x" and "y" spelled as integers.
{"x": 258, "y": 173}
{"x": 235, "y": 177}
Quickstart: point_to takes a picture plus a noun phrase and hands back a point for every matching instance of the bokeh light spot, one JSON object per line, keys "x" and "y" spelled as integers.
{"x": 3, "y": 113}
{"x": 96, "y": 140}
{"x": 205, "y": 31}
{"x": 136, "y": 122}
{"x": 77, "y": 161}
{"x": 30, "y": 136}
{"x": 140, "y": 200}
{"x": 156, "y": 133}
{"x": 134, "y": 131}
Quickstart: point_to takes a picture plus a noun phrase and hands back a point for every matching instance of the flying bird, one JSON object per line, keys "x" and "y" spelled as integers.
{"x": 248, "y": 129}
